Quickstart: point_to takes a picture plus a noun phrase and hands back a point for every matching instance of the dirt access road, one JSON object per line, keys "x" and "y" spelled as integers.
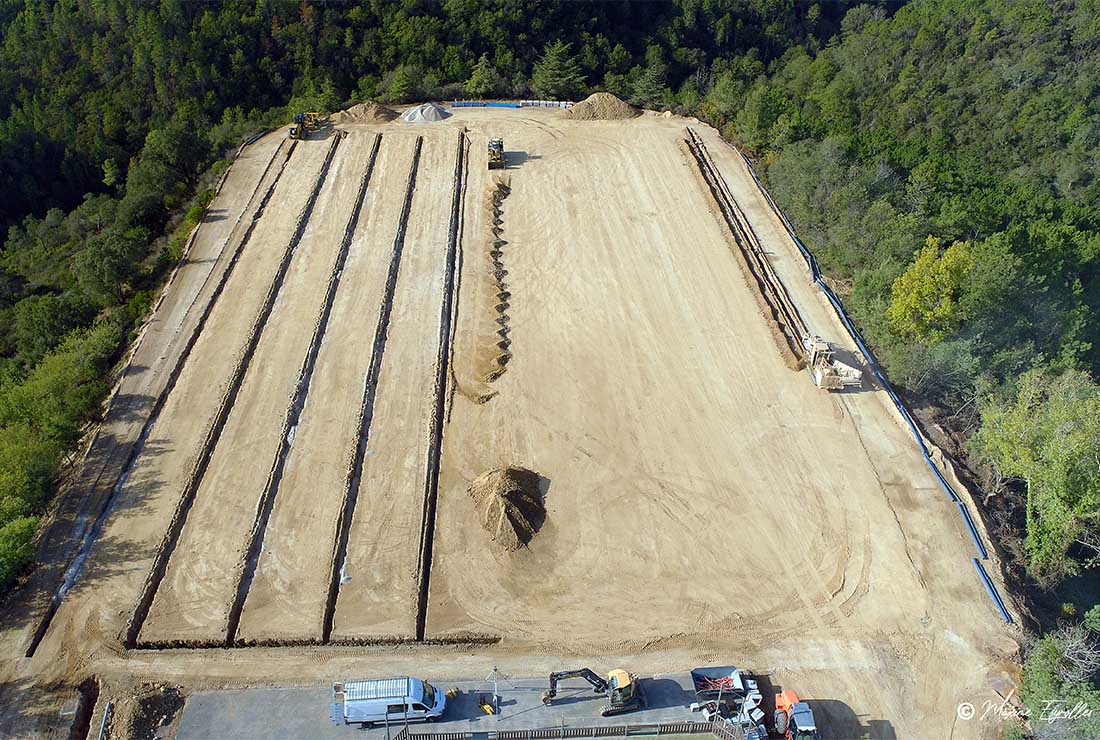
{"x": 705, "y": 503}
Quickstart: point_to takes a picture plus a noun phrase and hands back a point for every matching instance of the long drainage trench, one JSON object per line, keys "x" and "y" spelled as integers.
{"x": 206, "y": 450}
{"x": 435, "y": 434}
{"x": 247, "y": 569}
{"x": 366, "y": 408}
{"x": 76, "y": 566}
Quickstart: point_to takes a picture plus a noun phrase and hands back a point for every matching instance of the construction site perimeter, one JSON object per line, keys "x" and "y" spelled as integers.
{"x": 398, "y": 412}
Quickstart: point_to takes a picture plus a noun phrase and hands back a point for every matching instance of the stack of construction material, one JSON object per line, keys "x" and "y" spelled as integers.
{"x": 426, "y": 113}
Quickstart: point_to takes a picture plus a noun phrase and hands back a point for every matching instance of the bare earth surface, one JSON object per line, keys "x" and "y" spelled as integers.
{"x": 285, "y": 600}
{"x": 379, "y": 596}
{"x": 705, "y": 503}
{"x": 200, "y": 583}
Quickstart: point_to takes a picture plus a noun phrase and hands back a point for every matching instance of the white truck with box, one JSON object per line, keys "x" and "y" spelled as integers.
{"x": 386, "y": 701}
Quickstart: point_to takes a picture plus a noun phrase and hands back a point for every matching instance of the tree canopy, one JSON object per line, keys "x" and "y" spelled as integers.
{"x": 1049, "y": 437}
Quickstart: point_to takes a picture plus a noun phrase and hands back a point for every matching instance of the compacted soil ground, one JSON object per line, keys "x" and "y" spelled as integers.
{"x": 704, "y": 503}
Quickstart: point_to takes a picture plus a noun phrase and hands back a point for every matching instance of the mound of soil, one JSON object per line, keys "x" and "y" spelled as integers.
{"x": 425, "y": 113}
{"x": 509, "y": 505}
{"x": 601, "y": 106}
{"x": 144, "y": 713}
{"x": 369, "y": 112}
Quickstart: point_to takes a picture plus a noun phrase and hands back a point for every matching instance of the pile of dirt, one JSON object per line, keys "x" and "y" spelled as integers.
{"x": 601, "y": 106}
{"x": 509, "y": 504}
{"x": 369, "y": 112}
{"x": 426, "y": 113}
{"x": 146, "y": 713}
{"x": 500, "y": 341}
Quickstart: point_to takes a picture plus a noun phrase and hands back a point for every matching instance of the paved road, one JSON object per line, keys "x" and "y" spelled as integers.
{"x": 304, "y": 712}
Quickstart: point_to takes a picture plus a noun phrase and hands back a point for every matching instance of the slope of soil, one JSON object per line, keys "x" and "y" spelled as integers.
{"x": 199, "y": 586}
{"x": 601, "y": 106}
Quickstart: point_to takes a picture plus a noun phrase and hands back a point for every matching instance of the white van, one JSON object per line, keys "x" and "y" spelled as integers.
{"x": 382, "y": 701}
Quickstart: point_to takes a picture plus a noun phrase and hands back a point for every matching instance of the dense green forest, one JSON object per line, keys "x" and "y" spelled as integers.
{"x": 941, "y": 158}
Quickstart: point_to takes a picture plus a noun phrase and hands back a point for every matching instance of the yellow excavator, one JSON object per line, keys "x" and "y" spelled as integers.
{"x": 621, "y": 687}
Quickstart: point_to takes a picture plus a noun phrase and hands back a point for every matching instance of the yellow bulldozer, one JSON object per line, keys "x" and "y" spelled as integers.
{"x": 305, "y": 123}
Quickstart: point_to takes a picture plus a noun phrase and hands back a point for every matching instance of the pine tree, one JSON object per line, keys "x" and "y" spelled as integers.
{"x": 650, "y": 88}
{"x": 484, "y": 79}
{"x": 557, "y": 75}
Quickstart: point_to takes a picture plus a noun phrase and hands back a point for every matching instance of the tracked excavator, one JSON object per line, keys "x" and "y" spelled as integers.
{"x": 621, "y": 687}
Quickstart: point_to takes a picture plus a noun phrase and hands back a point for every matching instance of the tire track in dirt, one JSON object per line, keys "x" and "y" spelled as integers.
{"x": 435, "y": 439}
{"x": 251, "y": 555}
{"x": 75, "y": 568}
{"x": 366, "y": 408}
{"x": 206, "y": 450}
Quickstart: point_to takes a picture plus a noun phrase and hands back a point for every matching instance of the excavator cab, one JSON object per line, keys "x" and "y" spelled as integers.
{"x": 621, "y": 687}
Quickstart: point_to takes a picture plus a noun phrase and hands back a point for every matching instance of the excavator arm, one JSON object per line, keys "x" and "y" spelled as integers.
{"x": 599, "y": 685}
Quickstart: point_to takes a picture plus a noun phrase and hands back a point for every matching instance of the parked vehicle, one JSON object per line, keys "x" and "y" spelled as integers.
{"x": 382, "y": 701}
{"x": 729, "y": 694}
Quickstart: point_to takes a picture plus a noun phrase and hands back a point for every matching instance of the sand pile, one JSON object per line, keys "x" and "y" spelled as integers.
{"x": 369, "y": 112}
{"x": 509, "y": 505}
{"x": 601, "y": 107}
{"x": 425, "y": 113}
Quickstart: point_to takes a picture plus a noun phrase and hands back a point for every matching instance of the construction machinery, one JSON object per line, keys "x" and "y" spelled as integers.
{"x": 794, "y": 720}
{"x": 624, "y": 693}
{"x": 305, "y": 123}
{"x": 828, "y": 372}
{"x": 496, "y": 154}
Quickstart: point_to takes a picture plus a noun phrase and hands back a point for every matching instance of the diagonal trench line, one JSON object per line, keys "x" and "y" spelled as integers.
{"x": 250, "y": 560}
{"x": 206, "y": 450}
{"x": 366, "y": 408}
{"x": 76, "y": 565}
{"x": 784, "y": 311}
{"x": 435, "y": 438}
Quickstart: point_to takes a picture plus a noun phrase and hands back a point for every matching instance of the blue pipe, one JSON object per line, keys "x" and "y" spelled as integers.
{"x": 992, "y": 590}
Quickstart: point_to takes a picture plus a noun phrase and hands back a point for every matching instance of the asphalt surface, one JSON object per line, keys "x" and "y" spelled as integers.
{"x": 304, "y": 712}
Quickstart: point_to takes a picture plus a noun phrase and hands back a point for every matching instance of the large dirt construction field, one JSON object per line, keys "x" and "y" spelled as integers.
{"x": 705, "y": 503}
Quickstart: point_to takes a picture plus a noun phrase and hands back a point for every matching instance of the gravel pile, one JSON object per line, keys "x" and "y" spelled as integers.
{"x": 426, "y": 113}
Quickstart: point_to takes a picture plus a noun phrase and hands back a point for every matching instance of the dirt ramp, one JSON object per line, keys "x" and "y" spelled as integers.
{"x": 369, "y": 112}
{"x": 601, "y": 107}
{"x": 509, "y": 504}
